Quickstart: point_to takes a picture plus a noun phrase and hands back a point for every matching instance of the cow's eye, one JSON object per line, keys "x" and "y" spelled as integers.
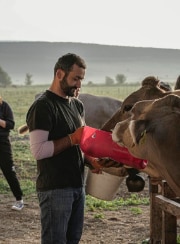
{"x": 127, "y": 108}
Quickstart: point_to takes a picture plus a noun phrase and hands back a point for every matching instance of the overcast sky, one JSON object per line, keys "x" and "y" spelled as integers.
{"x": 139, "y": 23}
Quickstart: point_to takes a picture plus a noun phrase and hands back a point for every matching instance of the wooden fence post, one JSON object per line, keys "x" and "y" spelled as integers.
{"x": 155, "y": 212}
{"x": 169, "y": 222}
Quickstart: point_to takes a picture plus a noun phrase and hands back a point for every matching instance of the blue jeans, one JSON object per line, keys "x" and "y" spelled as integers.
{"x": 62, "y": 215}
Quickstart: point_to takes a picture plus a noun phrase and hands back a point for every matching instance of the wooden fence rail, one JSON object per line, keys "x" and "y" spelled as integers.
{"x": 164, "y": 212}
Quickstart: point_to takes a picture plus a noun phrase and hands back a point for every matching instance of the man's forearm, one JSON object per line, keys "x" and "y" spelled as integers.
{"x": 61, "y": 144}
{"x": 41, "y": 147}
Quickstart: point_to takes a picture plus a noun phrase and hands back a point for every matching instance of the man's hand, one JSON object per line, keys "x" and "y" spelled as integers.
{"x": 75, "y": 137}
{"x": 108, "y": 163}
{"x": 104, "y": 163}
{"x": 93, "y": 164}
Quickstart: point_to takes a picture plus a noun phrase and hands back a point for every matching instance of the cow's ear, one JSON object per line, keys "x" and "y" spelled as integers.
{"x": 139, "y": 130}
{"x": 169, "y": 100}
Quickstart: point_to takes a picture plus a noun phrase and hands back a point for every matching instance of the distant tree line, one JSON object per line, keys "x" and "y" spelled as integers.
{"x": 119, "y": 80}
{"x": 5, "y": 79}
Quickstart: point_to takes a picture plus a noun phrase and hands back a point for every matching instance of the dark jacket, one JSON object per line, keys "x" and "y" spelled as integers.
{"x": 7, "y": 115}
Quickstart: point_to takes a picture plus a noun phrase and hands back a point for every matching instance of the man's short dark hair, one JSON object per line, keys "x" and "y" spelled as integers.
{"x": 67, "y": 61}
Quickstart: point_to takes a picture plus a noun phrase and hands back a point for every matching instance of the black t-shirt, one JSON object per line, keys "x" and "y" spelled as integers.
{"x": 60, "y": 117}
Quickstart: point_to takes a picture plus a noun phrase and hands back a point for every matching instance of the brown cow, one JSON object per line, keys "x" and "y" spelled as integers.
{"x": 151, "y": 88}
{"x": 152, "y": 132}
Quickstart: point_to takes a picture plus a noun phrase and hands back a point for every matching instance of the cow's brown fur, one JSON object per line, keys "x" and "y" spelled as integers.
{"x": 150, "y": 89}
{"x": 153, "y": 133}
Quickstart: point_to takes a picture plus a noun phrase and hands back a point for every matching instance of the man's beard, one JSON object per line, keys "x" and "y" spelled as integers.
{"x": 68, "y": 90}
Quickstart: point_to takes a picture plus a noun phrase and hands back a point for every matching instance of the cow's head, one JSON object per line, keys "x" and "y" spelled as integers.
{"x": 151, "y": 88}
{"x": 152, "y": 132}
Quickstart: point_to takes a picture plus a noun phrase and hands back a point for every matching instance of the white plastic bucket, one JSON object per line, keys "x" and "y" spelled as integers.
{"x": 103, "y": 186}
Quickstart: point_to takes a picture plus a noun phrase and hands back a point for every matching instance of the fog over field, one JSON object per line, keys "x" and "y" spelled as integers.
{"x": 38, "y": 59}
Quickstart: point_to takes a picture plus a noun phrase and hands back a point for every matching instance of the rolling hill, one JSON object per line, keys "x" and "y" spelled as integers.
{"x": 38, "y": 59}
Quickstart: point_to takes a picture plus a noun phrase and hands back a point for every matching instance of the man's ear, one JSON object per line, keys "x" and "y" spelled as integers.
{"x": 60, "y": 74}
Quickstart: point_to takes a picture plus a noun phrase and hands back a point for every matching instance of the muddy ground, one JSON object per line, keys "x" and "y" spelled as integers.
{"x": 116, "y": 227}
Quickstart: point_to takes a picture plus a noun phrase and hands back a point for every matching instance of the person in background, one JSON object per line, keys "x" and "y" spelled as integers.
{"x": 55, "y": 121}
{"x": 6, "y": 158}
